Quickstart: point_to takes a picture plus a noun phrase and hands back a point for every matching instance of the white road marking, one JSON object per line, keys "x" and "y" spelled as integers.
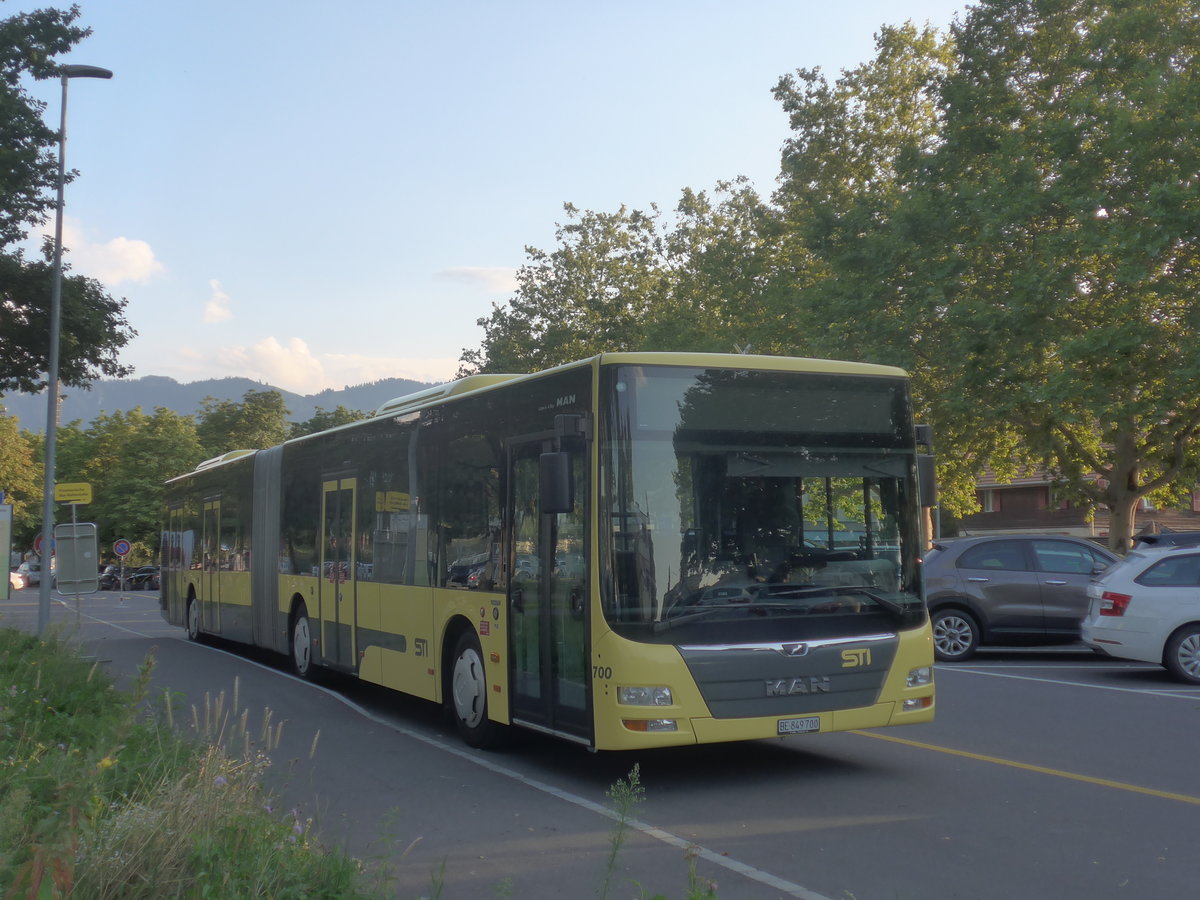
{"x": 774, "y": 882}
{"x": 1175, "y": 694}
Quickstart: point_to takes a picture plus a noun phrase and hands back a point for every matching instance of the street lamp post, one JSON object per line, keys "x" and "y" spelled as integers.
{"x": 66, "y": 73}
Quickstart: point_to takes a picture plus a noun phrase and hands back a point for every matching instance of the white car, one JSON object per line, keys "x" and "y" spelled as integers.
{"x": 1147, "y": 607}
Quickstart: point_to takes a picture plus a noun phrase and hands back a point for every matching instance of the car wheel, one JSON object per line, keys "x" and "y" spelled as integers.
{"x": 955, "y": 635}
{"x": 469, "y": 694}
{"x": 302, "y": 644}
{"x": 1182, "y": 654}
{"x": 193, "y": 619}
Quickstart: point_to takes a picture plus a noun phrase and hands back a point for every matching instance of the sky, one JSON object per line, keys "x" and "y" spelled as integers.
{"x": 315, "y": 194}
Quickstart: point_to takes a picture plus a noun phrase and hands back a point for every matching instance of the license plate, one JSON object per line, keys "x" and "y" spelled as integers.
{"x": 799, "y": 726}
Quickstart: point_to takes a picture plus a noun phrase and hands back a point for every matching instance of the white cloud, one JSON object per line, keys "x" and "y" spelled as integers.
{"x": 120, "y": 259}
{"x": 496, "y": 279}
{"x": 218, "y": 307}
{"x": 294, "y": 367}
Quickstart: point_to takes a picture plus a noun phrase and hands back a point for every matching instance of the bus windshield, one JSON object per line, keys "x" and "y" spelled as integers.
{"x": 751, "y": 505}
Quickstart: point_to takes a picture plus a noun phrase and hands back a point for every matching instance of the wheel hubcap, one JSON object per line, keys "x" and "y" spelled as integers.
{"x": 952, "y": 635}
{"x": 468, "y": 688}
{"x": 301, "y": 649}
{"x": 193, "y": 619}
{"x": 1189, "y": 656}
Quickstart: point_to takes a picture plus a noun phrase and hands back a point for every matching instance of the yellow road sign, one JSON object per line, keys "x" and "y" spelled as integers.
{"x": 79, "y": 492}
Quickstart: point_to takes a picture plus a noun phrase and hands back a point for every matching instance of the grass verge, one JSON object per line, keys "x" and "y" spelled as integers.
{"x": 100, "y": 797}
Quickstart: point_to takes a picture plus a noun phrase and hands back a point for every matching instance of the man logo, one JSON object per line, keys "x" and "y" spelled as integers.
{"x": 795, "y": 649}
{"x": 860, "y": 656}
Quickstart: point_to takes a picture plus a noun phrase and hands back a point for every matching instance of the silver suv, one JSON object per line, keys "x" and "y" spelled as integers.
{"x": 1008, "y": 589}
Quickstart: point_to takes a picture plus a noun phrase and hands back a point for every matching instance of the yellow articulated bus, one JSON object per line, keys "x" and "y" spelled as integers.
{"x": 636, "y": 550}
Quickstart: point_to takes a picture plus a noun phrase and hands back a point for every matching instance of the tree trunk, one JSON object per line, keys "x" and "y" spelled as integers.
{"x": 1122, "y": 515}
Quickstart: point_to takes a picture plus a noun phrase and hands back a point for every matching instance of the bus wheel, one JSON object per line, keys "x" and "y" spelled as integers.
{"x": 193, "y": 619}
{"x": 468, "y": 691}
{"x": 302, "y": 661}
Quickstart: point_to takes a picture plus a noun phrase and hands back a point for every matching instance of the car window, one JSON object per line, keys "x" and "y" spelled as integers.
{"x": 1006, "y": 555}
{"x": 1174, "y": 571}
{"x": 1065, "y": 557}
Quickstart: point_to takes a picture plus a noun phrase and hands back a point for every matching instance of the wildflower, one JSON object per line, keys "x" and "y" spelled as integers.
{"x": 107, "y": 763}
{"x": 219, "y": 781}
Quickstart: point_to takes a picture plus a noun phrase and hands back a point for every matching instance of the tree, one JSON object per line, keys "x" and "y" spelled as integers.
{"x": 588, "y": 295}
{"x": 127, "y": 457}
{"x": 1068, "y": 186}
{"x": 93, "y": 329}
{"x": 258, "y": 422}
{"x": 1027, "y": 246}
{"x": 323, "y": 419}
{"x": 21, "y": 479}
{"x": 632, "y": 280}
{"x": 846, "y": 197}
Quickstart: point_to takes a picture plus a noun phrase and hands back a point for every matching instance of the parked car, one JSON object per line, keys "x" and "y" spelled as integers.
{"x": 144, "y": 578}
{"x": 1165, "y": 538}
{"x": 1008, "y": 589}
{"x": 31, "y": 572}
{"x": 16, "y": 581}
{"x": 1147, "y": 607}
{"x": 110, "y": 578}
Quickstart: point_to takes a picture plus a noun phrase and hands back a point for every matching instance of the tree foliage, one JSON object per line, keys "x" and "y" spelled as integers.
{"x": 127, "y": 457}
{"x": 258, "y": 422}
{"x": 1010, "y": 210}
{"x": 93, "y": 324}
{"x": 634, "y": 280}
{"x": 1069, "y": 187}
{"x": 29, "y": 43}
{"x": 323, "y": 419}
{"x": 20, "y": 475}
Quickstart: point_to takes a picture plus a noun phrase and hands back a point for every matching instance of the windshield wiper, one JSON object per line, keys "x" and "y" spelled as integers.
{"x": 886, "y": 602}
{"x": 693, "y": 615}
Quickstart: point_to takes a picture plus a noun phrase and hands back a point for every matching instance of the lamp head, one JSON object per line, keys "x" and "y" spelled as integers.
{"x": 84, "y": 72}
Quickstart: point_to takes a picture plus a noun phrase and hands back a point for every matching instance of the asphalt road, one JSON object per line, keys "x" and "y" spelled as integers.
{"x": 1046, "y": 774}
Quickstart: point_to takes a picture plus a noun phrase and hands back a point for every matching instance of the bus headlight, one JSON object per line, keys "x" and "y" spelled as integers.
{"x": 919, "y": 677}
{"x": 644, "y": 696}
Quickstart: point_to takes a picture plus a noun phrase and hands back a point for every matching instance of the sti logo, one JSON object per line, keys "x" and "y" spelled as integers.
{"x": 860, "y": 656}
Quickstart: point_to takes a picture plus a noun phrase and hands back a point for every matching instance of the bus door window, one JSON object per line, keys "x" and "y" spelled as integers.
{"x": 548, "y": 601}
{"x": 210, "y": 566}
{"x": 338, "y": 572}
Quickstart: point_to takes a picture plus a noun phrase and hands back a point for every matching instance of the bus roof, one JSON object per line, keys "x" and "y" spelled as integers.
{"x": 478, "y": 383}
{"x": 473, "y": 383}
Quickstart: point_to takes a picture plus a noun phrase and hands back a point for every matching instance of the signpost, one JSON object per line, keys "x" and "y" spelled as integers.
{"x": 6, "y": 518}
{"x": 78, "y": 492}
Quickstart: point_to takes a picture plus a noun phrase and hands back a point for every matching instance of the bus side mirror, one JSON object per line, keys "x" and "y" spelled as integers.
{"x": 555, "y": 485}
{"x": 927, "y": 479}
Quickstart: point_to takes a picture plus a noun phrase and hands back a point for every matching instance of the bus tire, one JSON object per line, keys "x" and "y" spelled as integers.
{"x": 469, "y": 694}
{"x": 300, "y": 644}
{"x": 193, "y": 618}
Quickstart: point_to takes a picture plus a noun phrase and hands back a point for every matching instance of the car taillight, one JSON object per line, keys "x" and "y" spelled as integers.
{"x": 1113, "y": 604}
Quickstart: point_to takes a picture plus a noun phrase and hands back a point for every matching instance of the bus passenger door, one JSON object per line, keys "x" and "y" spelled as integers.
{"x": 547, "y": 602}
{"x": 338, "y": 580}
{"x": 210, "y": 567}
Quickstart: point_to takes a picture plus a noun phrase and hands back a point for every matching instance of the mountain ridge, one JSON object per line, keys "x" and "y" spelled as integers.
{"x": 149, "y": 392}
